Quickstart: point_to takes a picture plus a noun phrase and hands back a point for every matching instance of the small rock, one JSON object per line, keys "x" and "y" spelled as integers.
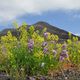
{"x": 66, "y": 78}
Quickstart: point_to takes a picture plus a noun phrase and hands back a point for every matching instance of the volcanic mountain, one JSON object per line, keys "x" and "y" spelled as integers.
{"x": 62, "y": 34}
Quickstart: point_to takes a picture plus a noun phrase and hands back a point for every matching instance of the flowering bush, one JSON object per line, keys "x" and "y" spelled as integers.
{"x": 36, "y": 53}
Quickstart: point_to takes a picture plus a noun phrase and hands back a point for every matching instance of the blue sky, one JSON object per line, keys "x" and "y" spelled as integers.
{"x": 64, "y": 14}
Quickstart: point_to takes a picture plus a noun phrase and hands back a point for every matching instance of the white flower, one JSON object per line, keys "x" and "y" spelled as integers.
{"x": 42, "y": 65}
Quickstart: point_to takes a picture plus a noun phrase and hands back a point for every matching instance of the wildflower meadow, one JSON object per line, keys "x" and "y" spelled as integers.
{"x": 37, "y": 53}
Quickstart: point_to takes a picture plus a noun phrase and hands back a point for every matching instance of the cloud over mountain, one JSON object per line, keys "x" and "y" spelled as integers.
{"x": 10, "y": 9}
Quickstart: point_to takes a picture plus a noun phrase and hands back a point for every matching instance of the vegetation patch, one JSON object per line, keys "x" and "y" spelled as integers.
{"x": 38, "y": 55}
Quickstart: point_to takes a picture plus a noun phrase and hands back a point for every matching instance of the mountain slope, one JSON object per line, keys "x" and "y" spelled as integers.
{"x": 63, "y": 35}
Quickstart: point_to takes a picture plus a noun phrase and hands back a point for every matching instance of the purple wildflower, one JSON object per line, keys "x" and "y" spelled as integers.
{"x": 46, "y": 34}
{"x": 30, "y": 44}
{"x": 61, "y": 58}
{"x": 31, "y": 41}
{"x": 45, "y": 50}
{"x": 44, "y": 44}
{"x": 54, "y": 52}
{"x": 64, "y": 53}
{"x": 64, "y": 46}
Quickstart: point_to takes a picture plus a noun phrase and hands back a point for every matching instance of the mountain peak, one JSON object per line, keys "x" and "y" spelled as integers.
{"x": 41, "y": 22}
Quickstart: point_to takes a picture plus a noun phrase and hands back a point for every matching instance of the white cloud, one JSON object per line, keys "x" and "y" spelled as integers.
{"x": 78, "y": 34}
{"x": 10, "y": 9}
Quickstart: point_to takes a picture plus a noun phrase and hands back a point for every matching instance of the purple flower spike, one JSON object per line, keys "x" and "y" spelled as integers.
{"x": 64, "y": 46}
{"x": 44, "y": 44}
{"x": 31, "y": 41}
{"x": 54, "y": 52}
{"x": 30, "y": 44}
{"x": 61, "y": 58}
{"x": 45, "y": 50}
{"x": 46, "y": 34}
{"x": 64, "y": 53}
